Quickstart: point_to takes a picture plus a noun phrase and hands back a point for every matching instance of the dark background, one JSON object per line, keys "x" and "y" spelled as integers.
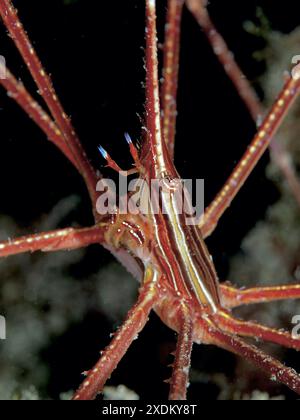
{"x": 94, "y": 52}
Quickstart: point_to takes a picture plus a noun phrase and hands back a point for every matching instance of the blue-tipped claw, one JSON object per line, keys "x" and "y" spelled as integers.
{"x": 103, "y": 152}
{"x": 128, "y": 138}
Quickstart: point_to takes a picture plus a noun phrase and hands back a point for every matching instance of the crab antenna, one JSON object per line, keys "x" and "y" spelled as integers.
{"x": 103, "y": 152}
{"x": 110, "y": 162}
{"x": 128, "y": 138}
{"x": 161, "y": 162}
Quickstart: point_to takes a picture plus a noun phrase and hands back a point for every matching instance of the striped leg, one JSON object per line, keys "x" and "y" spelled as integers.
{"x": 253, "y": 330}
{"x": 233, "y": 298}
{"x": 251, "y": 157}
{"x": 276, "y": 370}
{"x": 180, "y": 377}
{"x": 65, "y": 239}
{"x": 44, "y": 84}
{"x": 170, "y": 72}
{"x": 134, "y": 323}
{"x": 249, "y": 97}
{"x": 17, "y": 91}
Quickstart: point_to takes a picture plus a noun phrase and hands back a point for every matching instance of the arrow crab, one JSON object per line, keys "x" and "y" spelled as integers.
{"x": 166, "y": 254}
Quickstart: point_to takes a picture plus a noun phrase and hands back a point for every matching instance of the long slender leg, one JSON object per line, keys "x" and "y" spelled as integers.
{"x": 226, "y": 58}
{"x": 276, "y": 370}
{"x": 154, "y": 155}
{"x": 233, "y": 298}
{"x": 20, "y": 38}
{"x": 133, "y": 325}
{"x": 65, "y": 239}
{"x": 154, "y": 132}
{"x": 252, "y": 156}
{"x": 245, "y": 90}
{"x": 170, "y": 72}
{"x": 180, "y": 376}
{"x": 17, "y": 91}
{"x": 283, "y": 160}
{"x": 253, "y": 330}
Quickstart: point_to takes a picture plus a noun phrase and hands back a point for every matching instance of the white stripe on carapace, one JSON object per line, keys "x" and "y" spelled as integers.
{"x": 196, "y": 282}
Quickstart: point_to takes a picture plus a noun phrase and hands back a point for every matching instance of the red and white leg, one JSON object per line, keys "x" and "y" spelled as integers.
{"x": 123, "y": 338}
{"x": 64, "y": 239}
{"x": 228, "y": 323}
{"x": 18, "y": 34}
{"x": 276, "y": 370}
{"x": 233, "y": 297}
{"x": 247, "y": 93}
{"x": 251, "y": 157}
{"x": 181, "y": 368}
{"x": 170, "y": 72}
{"x": 17, "y": 91}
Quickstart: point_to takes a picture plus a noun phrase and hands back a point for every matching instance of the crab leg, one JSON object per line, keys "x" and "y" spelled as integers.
{"x": 276, "y": 370}
{"x": 170, "y": 72}
{"x": 65, "y": 239}
{"x": 123, "y": 338}
{"x": 42, "y": 80}
{"x": 17, "y": 91}
{"x": 247, "y": 93}
{"x": 160, "y": 162}
{"x": 252, "y": 156}
{"x": 226, "y": 58}
{"x": 233, "y": 298}
{"x": 180, "y": 376}
{"x": 253, "y": 330}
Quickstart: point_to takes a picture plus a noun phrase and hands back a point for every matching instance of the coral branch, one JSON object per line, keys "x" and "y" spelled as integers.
{"x": 233, "y": 298}
{"x": 253, "y": 330}
{"x": 135, "y": 322}
{"x": 65, "y": 239}
{"x": 17, "y": 91}
{"x": 276, "y": 370}
{"x": 245, "y": 90}
{"x": 180, "y": 377}
{"x": 170, "y": 72}
{"x": 252, "y": 156}
{"x": 21, "y": 40}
